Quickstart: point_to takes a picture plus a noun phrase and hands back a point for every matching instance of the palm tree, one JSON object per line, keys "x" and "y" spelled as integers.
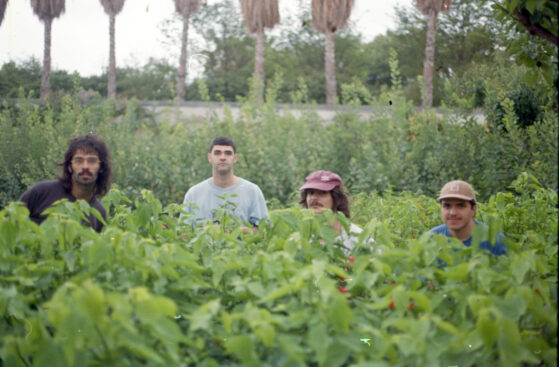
{"x": 185, "y": 8}
{"x": 112, "y": 8}
{"x": 431, "y": 9}
{"x": 328, "y": 16}
{"x": 47, "y": 10}
{"x": 259, "y": 14}
{"x": 3, "y": 4}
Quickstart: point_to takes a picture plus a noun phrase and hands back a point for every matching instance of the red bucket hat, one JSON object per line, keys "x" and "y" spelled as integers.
{"x": 322, "y": 180}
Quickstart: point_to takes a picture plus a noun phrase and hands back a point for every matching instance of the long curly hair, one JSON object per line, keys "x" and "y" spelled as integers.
{"x": 89, "y": 143}
{"x": 340, "y": 201}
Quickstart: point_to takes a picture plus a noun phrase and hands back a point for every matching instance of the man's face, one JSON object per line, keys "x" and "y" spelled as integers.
{"x": 318, "y": 200}
{"x": 457, "y": 213}
{"x": 222, "y": 158}
{"x": 84, "y": 167}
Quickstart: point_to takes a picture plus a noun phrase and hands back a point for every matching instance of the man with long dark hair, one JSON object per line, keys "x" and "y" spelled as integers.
{"x": 324, "y": 190}
{"x": 86, "y": 175}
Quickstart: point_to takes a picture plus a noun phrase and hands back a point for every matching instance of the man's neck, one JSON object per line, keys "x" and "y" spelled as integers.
{"x": 464, "y": 233}
{"x": 82, "y": 192}
{"x": 224, "y": 181}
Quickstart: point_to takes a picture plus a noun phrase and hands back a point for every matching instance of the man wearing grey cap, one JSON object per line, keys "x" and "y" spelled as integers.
{"x": 458, "y": 209}
{"x": 324, "y": 190}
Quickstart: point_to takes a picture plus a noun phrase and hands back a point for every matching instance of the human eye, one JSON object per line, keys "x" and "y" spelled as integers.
{"x": 92, "y": 160}
{"x": 228, "y": 153}
{"x": 78, "y": 160}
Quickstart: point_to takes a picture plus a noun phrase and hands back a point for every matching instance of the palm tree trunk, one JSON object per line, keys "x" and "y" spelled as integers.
{"x": 181, "y": 77}
{"x": 111, "y": 89}
{"x": 429, "y": 65}
{"x": 330, "y": 67}
{"x": 259, "y": 65}
{"x": 45, "y": 78}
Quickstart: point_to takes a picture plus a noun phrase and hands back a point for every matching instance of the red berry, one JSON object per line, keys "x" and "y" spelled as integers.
{"x": 351, "y": 259}
{"x": 411, "y": 305}
{"x": 342, "y": 289}
{"x": 390, "y": 282}
{"x": 342, "y": 278}
{"x": 538, "y": 291}
{"x": 347, "y": 268}
{"x": 391, "y": 305}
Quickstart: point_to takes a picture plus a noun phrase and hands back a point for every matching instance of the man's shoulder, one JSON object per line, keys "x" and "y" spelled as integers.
{"x": 50, "y": 188}
{"x": 442, "y": 229}
{"x": 246, "y": 184}
{"x": 200, "y": 186}
{"x": 354, "y": 228}
{"x": 48, "y": 185}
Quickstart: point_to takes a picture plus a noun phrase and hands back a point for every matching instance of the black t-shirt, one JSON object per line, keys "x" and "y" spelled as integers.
{"x": 44, "y": 193}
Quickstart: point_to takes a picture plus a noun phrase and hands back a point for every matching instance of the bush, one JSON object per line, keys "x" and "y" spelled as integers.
{"x": 149, "y": 291}
{"x": 396, "y": 147}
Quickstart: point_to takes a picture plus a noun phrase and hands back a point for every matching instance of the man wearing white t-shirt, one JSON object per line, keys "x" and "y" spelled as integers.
{"x": 324, "y": 190}
{"x": 224, "y": 192}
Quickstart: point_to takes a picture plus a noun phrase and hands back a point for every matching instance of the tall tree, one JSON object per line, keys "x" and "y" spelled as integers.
{"x": 47, "y": 10}
{"x": 185, "y": 8}
{"x": 3, "y": 4}
{"x": 328, "y": 16}
{"x": 431, "y": 10}
{"x": 112, "y": 8}
{"x": 259, "y": 14}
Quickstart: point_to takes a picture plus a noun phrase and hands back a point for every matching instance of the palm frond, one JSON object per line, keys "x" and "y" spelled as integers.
{"x": 3, "y": 4}
{"x": 439, "y": 6}
{"x": 187, "y": 7}
{"x": 260, "y": 14}
{"x": 330, "y": 15}
{"x": 48, "y": 9}
{"x": 112, "y": 6}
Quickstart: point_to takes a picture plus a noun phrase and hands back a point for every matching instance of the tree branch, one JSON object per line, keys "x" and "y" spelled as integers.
{"x": 535, "y": 29}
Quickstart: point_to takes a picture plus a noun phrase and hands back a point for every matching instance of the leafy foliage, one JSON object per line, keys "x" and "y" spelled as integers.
{"x": 394, "y": 147}
{"x": 149, "y": 291}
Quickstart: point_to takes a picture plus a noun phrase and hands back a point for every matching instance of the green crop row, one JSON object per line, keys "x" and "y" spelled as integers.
{"x": 396, "y": 148}
{"x": 150, "y": 291}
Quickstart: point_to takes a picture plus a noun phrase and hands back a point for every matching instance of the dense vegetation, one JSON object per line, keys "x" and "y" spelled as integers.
{"x": 149, "y": 291}
{"x": 396, "y": 147}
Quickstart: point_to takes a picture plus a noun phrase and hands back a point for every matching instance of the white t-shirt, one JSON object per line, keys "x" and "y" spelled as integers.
{"x": 350, "y": 240}
{"x": 248, "y": 203}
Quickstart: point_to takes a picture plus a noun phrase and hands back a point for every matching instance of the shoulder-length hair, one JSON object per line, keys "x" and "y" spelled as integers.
{"x": 340, "y": 201}
{"x": 88, "y": 143}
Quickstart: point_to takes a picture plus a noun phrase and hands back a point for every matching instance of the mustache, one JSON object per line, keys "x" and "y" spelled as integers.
{"x": 85, "y": 171}
{"x": 315, "y": 203}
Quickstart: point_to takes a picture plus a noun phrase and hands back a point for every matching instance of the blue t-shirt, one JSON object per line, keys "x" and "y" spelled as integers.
{"x": 248, "y": 203}
{"x": 498, "y": 248}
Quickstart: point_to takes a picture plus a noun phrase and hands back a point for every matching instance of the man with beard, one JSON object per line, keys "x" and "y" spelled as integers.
{"x": 224, "y": 192}
{"x": 458, "y": 209}
{"x": 324, "y": 190}
{"x": 86, "y": 175}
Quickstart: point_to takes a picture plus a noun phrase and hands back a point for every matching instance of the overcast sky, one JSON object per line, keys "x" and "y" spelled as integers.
{"x": 80, "y": 39}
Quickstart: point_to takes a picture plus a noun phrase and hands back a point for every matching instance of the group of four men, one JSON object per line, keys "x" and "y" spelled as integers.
{"x": 86, "y": 174}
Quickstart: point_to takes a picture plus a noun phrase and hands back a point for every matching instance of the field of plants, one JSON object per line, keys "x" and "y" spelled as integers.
{"x": 150, "y": 291}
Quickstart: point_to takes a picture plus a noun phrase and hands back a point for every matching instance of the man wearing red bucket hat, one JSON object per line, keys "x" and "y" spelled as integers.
{"x": 324, "y": 190}
{"x": 458, "y": 208}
